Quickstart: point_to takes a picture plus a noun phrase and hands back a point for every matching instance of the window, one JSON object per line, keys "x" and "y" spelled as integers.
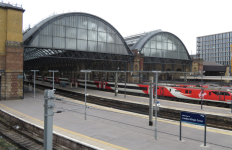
{"x": 222, "y": 93}
{"x": 186, "y": 91}
{"x": 190, "y": 92}
{"x": 215, "y": 93}
{"x": 170, "y": 90}
{"x": 209, "y": 93}
{"x": 227, "y": 94}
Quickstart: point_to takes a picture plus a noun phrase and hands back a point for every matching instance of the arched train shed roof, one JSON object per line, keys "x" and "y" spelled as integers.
{"x": 139, "y": 45}
{"x": 30, "y": 35}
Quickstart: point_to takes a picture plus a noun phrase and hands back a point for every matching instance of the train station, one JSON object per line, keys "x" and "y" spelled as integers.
{"x": 72, "y": 81}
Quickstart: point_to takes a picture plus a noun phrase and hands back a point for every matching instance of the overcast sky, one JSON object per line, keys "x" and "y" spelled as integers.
{"x": 184, "y": 18}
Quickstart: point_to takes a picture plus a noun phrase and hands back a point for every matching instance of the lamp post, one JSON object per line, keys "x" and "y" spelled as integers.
{"x": 116, "y": 82}
{"x": 53, "y": 75}
{"x": 221, "y": 77}
{"x": 156, "y": 83}
{"x": 85, "y": 71}
{"x": 34, "y": 81}
{"x": 201, "y": 85}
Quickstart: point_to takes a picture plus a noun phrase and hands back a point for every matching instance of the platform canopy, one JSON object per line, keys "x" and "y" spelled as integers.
{"x": 159, "y": 47}
{"x": 75, "y": 36}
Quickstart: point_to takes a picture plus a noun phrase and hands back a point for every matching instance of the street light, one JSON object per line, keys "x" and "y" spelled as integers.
{"x": 116, "y": 82}
{"x": 221, "y": 77}
{"x": 201, "y": 85}
{"x": 53, "y": 75}
{"x": 34, "y": 81}
{"x": 85, "y": 71}
{"x": 156, "y": 83}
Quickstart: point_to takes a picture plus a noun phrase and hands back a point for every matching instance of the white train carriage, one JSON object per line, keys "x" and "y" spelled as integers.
{"x": 133, "y": 88}
{"x": 63, "y": 80}
{"x": 92, "y": 84}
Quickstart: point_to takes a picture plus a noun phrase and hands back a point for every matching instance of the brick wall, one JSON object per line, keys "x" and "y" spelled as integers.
{"x": 2, "y": 31}
{"x": 14, "y": 55}
{"x": 14, "y": 25}
{"x": 11, "y": 53}
{"x": 2, "y": 62}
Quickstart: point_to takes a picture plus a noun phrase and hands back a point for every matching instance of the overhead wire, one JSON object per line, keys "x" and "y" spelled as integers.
{"x": 75, "y": 111}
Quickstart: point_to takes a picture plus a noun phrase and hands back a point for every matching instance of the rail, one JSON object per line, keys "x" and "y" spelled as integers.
{"x": 214, "y": 120}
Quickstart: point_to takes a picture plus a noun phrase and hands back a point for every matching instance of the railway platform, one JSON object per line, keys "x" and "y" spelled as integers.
{"x": 108, "y": 128}
{"x": 181, "y": 106}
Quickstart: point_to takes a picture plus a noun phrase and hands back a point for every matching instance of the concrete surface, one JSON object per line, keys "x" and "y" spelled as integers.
{"x": 119, "y": 129}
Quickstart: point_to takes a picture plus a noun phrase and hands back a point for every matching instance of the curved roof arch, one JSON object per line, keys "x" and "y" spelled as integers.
{"x": 31, "y": 34}
{"x": 140, "y": 44}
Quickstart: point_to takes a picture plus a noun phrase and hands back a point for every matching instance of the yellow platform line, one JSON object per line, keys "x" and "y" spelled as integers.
{"x": 143, "y": 116}
{"x": 161, "y": 120}
{"x": 78, "y": 134}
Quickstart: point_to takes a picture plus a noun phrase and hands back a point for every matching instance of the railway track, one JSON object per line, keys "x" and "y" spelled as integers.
{"x": 18, "y": 138}
{"x": 198, "y": 102}
{"x": 212, "y": 120}
{"x": 22, "y": 139}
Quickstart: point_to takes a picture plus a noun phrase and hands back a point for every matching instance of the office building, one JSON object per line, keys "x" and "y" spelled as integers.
{"x": 215, "y": 47}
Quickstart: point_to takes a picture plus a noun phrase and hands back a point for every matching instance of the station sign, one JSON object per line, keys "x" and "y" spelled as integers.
{"x": 193, "y": 118}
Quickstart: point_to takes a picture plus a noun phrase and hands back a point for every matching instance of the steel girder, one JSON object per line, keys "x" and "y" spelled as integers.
{"x": 35, "y": 55}
{"x": 166, "y": 61}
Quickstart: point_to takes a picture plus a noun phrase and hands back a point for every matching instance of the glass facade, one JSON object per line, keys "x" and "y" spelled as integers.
{"x": 165, "y": 45}
{"x": 215, "y": 48}
{"x": 80, "y": 33}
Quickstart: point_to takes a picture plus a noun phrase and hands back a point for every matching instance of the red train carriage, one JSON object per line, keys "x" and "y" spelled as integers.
{"x": 186, "y": 93}
{"x": 207, "y": 94}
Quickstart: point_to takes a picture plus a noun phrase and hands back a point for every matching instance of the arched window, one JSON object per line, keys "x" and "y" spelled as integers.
{"x": 165, "y": 45}
{"x": 178, "y": 69}
{"x": 79, "y": 32}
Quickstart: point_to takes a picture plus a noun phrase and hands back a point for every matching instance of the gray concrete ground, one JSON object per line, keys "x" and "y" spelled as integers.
{"x": 124, "y": 129}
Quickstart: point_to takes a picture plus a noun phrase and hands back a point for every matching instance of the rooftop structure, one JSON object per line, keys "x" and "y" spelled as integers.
{"x": 12, "y": 5}
{"x": 158, "y": 44}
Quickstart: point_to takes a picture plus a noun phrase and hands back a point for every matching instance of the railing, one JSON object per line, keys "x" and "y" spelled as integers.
{"x": 11, "y": 3}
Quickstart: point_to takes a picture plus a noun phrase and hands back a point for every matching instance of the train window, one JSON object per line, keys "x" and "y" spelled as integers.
{"x": 222, "y": 93}
{"x": 133, "y": 87}
{"x": 209, "y": 93}
{"x": 170, "y": 90}
{"x": 215, "y": 93}
{"x": 227, "y": 94}
{"x": 186, "y": 91}
{"x": 190, "y": 92}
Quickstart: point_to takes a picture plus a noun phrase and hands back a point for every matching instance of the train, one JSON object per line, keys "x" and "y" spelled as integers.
{"x": 213, "y": 96}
